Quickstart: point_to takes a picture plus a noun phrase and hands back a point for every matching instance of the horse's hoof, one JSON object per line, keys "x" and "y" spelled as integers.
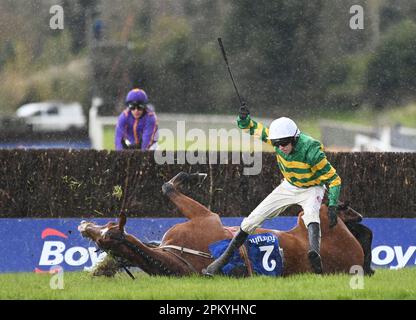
{"x": 167, "y": 188}
{"x": 197, "y": 178}
{"x": 180, "y": 178}
{"x": 315, "y": 260}
{"x": 369, "y": 272}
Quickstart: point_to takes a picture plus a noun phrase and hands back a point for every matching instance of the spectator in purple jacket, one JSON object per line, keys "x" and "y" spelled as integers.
{"x": 137, "y": 126}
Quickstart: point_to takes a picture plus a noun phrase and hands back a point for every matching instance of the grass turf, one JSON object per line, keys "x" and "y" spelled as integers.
{"x": 386, "y": 284}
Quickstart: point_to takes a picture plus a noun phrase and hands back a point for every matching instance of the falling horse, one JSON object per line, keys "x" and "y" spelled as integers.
{"x": 185, "y": 247}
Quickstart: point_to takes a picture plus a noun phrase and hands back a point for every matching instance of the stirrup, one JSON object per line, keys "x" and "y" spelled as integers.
{"x": 210, "y": 272}
{"x": 207, "y": 274}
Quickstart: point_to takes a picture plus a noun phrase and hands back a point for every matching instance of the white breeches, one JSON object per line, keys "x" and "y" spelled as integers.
{"x": 283, "y": 196}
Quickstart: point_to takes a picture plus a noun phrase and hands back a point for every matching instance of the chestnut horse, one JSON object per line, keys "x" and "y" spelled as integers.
{"x": 184, "y": 247}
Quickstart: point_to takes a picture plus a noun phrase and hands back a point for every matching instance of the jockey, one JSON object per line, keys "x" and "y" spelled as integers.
{"x": 137, "y": 126}
{"x": 306, "y": 171}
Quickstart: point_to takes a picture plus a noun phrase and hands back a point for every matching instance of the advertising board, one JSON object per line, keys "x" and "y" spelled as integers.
{"x": 41, "y": 244}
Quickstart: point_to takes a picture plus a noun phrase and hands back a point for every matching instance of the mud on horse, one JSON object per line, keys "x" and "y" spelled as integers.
{"x": 184, "y": 249}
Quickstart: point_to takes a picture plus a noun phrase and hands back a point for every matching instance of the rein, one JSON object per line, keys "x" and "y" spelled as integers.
{"x": 128, "y": 272}
{"x": 122, "y": 239}
{"x": 120, "y": 262}
{"x": 166, "y": 248}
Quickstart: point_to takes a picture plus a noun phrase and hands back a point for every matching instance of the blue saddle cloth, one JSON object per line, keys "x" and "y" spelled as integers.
{"x": 263, "y": 252}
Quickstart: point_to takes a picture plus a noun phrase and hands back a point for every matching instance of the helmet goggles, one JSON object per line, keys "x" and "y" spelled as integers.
{"x": 136, "y": 105}
{"x": 282, "y": 142}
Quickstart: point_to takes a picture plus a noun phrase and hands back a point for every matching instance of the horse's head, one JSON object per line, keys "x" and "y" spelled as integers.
{"x": 104, "y": 236}
{"x": 130, "y": 251}
{"x": 347, "y": 214}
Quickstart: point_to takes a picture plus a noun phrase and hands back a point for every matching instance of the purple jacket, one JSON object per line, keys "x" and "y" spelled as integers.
{"x": 142, "y": 132}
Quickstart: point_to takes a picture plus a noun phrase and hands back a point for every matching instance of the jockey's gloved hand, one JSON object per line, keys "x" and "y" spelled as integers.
{"x": 332, "y": 216}
{"x": 244, "y": 112}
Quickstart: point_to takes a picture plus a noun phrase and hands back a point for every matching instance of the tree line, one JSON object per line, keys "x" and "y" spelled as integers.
{"x": 286, "y": 55}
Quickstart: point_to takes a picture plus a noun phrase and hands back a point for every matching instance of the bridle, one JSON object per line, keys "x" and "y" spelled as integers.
{"x": 176, "y": 251}
{"x": 121, "y": 239}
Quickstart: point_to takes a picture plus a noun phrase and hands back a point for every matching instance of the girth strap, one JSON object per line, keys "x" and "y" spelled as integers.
{"x": 186, "y": 250}
{"x": 190, "y": 266}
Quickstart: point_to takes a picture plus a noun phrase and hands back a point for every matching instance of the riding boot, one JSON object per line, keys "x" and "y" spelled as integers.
{"x": 314, "y": 247}
{"x": 216, "y": 266}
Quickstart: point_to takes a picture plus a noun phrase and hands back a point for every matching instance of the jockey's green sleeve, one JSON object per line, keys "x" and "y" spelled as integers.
{"x": 254, "y": 128}
{"x": 305, "y": 166}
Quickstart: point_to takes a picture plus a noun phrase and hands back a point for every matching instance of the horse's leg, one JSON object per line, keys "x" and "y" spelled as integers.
{"x": 187, "y": 206}
{"x": 365, "y": 237}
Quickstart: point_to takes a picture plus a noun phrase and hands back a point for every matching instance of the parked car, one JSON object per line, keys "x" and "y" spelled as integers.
{"x": 53, "y": 116}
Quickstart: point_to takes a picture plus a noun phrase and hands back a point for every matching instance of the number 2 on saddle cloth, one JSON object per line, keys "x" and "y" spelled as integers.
{"x": 264, "y": 255}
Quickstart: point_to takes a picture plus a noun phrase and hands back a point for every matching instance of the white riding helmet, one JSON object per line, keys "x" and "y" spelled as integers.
{"x": 283, "y": 128}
